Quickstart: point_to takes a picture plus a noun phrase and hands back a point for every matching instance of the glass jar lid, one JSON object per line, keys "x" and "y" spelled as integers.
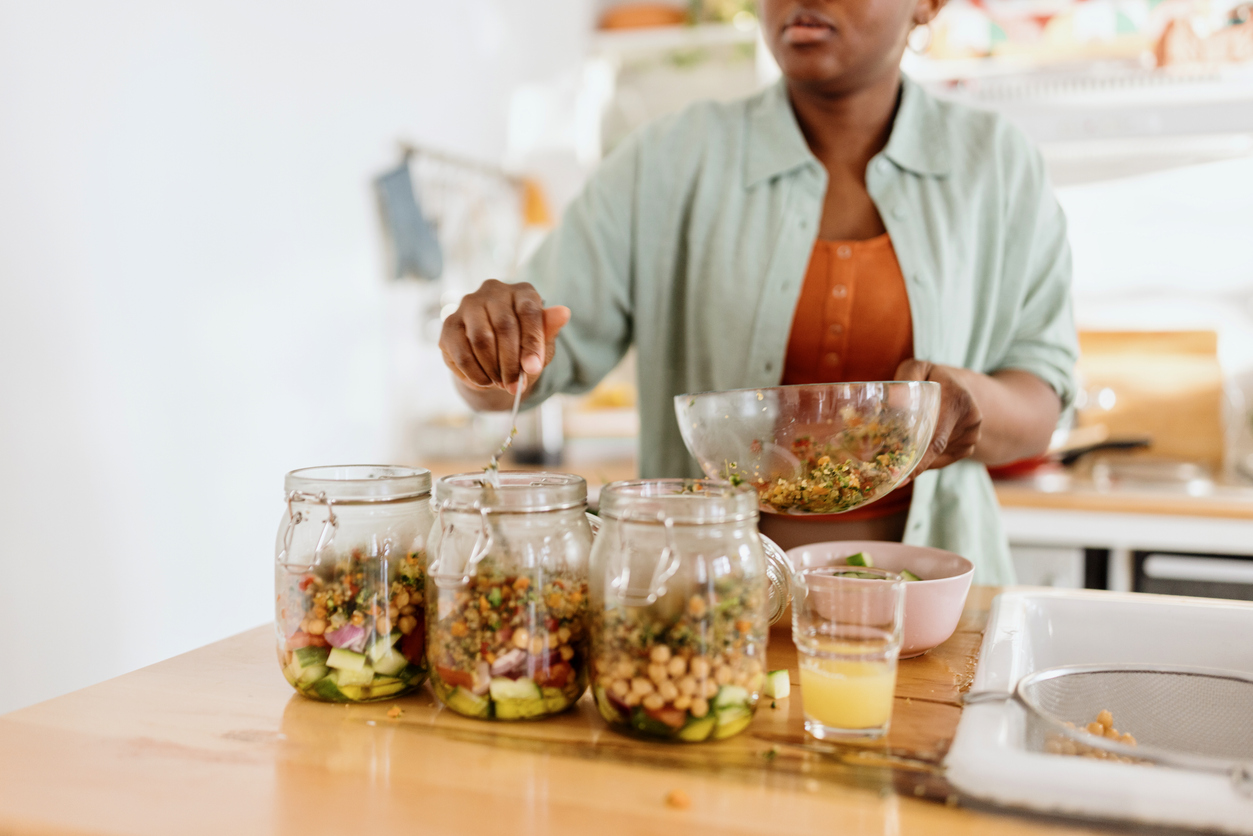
{"x": 519, "y": 492}
{"x": 353, "y": 483}
{"x": 687, "y": 501}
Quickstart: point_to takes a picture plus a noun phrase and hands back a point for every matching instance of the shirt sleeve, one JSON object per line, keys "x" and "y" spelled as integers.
{"x": 1043, "y": 340}
{"x": 586, "y": 264}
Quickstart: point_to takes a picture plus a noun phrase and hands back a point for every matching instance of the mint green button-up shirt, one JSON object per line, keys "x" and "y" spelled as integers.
{"x": 693, "y": 237}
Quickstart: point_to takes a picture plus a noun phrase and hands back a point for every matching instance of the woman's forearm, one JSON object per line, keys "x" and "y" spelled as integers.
{"x": 1020, "y": 412}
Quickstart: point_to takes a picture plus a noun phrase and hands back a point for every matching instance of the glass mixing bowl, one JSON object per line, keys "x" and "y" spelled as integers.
{"x": 813, "y": 449}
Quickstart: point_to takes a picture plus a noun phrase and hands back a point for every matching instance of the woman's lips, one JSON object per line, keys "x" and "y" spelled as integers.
{"x": 801, "y": 32}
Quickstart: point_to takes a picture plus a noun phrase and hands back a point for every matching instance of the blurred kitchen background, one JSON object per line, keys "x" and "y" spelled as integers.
{"x": 229, "y": 231}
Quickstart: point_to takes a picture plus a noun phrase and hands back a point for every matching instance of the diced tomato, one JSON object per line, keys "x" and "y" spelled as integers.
{"x": 298, "y": 640}
{"x": 319, "y": 641}
{"x": 557, "y": 676}
{"x": 455, "y": 677}
{"x": 551, "y": 625}
{"x": 304, "y": 584}
{"x": 413, "y": 645}
{"x": 672, "y": 717}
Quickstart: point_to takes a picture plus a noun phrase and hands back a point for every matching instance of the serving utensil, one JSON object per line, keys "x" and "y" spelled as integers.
{"x": 491, "y": 473}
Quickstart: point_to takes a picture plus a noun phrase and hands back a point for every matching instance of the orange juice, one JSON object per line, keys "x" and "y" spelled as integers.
{"x": 848, "y": 693}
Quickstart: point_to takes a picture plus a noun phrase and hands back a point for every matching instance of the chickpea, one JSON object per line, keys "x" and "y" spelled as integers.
{"x": 699, "y": 667}
{"x": 631, "y": 699}
{"x": 604, "y": 681}
{"x": 402, "y": 599}
{"x": 657, "y": 673}
{"x": 620, "y": 688}
{"x": 1106, "y": 719}
{"x": 538, "y": 645}
{"x": 699, "y": 707}
{"x": 1053, "y": 746}
{"x": 653, "y": 702}
{"x": 1096, "y": 728}
{"x": 563, "y": 635}
{"x": 677, "y": 667}
{"x": 641, "y": 686}
{"x": 358, "y": 618}
{"x": 1113, "y": 734}
{"x": 407, "y": 624}
{"x": 318, "y": 612}
{"x": 660, "y": 654}
{"x": 567, "y": 652}
{"x": 687, "y": 685}
{"x": 1128, "y": 739}
{"x": 521, "y": 638}
{"x": 553, "y": 641}
{"x": 393, "y": 612}
{"x": 624, "y": 669}
{"x": 696, "y": 606}
{"x": 723, "y": 675}
{"x": 1069, "y": 747}
{"x": 683, "y": 702}
{"x": 754, "y": 666}
{"x": 316, "y": 627}
{"x": 711, "y": 689}
{"x": 383, "y": 626}
{"x": 409, "y": 610}
{"x": 667, "y": 690}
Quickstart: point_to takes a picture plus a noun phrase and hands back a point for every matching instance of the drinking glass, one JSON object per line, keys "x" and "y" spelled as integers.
{"x": 847, "y": 627}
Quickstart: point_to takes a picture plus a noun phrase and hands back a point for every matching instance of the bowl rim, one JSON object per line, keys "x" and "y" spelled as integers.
{"x": 921, "y": 383}
{"x": 969, "y": 564}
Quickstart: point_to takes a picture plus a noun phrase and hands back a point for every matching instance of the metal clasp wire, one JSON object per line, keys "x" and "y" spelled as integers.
{"x": 294, "y": 518}
{"x": 482, "y": 546}
{"x": 668, "y": 562}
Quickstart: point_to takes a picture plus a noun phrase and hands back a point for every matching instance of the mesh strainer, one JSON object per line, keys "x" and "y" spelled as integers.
{"x": 1190, "y": 718}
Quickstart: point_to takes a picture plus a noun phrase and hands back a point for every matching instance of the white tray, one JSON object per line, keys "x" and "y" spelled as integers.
{"x": 1031, "y": 629}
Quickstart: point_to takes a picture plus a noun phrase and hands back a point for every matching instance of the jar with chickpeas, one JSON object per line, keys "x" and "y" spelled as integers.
{"x": 507, "y": 569}
{"x": 683, "y": 589}
{"x": 350, "y": 588}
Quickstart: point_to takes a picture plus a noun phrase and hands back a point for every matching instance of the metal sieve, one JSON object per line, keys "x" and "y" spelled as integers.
{"x": 1189, "y": 718}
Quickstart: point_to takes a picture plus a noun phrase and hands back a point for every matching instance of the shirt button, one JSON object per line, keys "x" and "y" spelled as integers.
{"x": 845, "y": 251}
{"x": 836, "y": 329}
{"x": 839, "y": 291}
{"x": 832, "y": 359}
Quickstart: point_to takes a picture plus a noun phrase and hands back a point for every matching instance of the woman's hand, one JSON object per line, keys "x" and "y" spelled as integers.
{"x": 496, "y": 333}
{"x": 960, "y": 425}
{"x": 997, "y": 418}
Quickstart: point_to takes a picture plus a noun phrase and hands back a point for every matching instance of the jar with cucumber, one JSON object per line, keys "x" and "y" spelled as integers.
{"x": 350, "y": 582}
{"x": 508, "y": 597}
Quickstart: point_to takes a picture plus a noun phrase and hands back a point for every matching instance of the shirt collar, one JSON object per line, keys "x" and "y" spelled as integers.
{"x": 918, "y": 143}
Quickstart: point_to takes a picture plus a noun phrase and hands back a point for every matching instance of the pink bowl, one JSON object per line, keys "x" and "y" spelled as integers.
{"x": 933, "y": 606}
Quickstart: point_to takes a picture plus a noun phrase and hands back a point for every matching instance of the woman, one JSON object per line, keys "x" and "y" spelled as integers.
{"x": 840, "y": 225}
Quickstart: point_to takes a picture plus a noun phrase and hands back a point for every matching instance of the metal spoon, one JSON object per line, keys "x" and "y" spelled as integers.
{"x": 491, "y": 473}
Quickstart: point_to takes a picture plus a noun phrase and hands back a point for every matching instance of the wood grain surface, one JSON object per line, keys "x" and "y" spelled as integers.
{"x": 215, "y": 741}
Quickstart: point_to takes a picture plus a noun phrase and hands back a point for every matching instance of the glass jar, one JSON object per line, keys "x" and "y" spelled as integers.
{"x": 683, "y": 592}
{"x": 349, "y": 579}
{"x": 507, "y": 621}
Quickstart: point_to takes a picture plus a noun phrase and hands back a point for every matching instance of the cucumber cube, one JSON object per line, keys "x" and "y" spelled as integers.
{"x": 390, "y": 663}
{"x": 729, "y": 695}
{"x": 380, "y": 647}
{"x": 345, "y": 660}
{"x": 362, "y": 677}
{"x": 777, "y": 686}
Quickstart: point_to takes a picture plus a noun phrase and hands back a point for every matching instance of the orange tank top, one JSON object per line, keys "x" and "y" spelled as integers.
{"x": 852, "y": 323}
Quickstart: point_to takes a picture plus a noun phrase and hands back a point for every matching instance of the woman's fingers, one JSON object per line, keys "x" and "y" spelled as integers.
{"x": 500, "y": 331}
{"x": 959, "y": 424}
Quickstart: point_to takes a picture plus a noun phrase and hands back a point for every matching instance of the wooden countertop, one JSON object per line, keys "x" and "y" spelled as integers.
{"x": 215, "y": 741}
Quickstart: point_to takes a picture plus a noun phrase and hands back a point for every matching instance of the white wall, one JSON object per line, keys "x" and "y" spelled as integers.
{"x": 191, "y": 300}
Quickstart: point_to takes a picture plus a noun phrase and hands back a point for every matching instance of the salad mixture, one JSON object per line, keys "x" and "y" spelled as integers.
{"x": 354, "y": 630}
{"x": 510, "y": 645}
{"x": 845, "y": 472}
{"x": 690, "y": 675}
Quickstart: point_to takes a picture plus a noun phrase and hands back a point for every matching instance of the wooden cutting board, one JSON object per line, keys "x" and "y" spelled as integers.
{"x": 1167, "y": 385}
